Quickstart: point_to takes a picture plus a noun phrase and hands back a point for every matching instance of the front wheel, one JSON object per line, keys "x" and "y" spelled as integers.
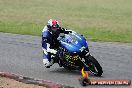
{"x": 94, "y": 66}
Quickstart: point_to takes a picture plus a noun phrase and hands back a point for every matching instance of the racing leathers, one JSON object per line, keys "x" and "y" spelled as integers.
{"x": 50, "y": 44}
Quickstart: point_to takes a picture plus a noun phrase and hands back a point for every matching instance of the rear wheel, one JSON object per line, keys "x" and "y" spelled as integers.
{"x": 94, "y": 66}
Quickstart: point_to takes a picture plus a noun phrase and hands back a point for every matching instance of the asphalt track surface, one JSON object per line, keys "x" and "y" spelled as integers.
{"x": 22, "y": 54}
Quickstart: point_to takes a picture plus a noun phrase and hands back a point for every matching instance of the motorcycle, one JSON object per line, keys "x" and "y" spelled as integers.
{"x": 73, "y": 54}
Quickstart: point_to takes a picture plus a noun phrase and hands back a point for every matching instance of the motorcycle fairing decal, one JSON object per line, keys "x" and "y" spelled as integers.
{"x": 66, "y": 44}
{"x": 71, "y": 59}
{"x": 76, "y": 42}
{"x": 82, "y": 48}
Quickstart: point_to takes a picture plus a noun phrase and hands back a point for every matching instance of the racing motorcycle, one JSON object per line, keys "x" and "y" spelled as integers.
{"x": 73, "y": 54}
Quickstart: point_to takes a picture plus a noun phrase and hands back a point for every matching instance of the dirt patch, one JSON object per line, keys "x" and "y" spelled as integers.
{"x": 11, "y": 83}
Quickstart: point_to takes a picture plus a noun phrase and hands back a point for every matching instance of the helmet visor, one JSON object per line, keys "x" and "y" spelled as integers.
{"x": 54, "y": 29}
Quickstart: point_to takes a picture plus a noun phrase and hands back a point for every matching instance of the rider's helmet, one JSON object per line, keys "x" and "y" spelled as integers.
{"x": 53, "y": 25}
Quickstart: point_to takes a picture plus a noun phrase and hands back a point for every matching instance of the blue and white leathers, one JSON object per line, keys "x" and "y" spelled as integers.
{"x": 50, "y": 42}
{"x": 45, "y": 33}
{"x": 46, "y": 37}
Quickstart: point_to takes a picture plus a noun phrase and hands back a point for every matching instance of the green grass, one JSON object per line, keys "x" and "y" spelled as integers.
{"x": 98, "y": 20}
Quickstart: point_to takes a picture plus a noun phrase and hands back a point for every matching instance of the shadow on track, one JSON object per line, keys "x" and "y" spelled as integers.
{"x": 70, "y": 72}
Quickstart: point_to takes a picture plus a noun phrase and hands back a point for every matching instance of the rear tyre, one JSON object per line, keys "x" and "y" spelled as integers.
{"x": 94, "y": 66}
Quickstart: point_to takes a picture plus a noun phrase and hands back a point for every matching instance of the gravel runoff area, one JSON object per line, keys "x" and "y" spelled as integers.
{"x": 11, "y": 83}
{"x": 11, "y": 80}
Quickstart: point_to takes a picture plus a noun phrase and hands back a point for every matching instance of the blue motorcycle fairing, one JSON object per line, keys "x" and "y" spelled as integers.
{"x": 82, "y": 40}
{"x": 74, "y": 43}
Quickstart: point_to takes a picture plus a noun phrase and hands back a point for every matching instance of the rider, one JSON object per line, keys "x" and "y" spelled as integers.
{"x": 50, "y": 33}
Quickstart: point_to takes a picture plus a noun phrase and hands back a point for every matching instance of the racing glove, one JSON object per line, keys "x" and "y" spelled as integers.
{"x": 53, "y": 51}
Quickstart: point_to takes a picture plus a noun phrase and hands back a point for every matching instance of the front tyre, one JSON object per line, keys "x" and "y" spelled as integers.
{"x": 94, "y": 66}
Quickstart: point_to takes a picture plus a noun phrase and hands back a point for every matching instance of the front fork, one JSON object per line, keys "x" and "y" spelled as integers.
{"x": 84, "y": 55}
{"x": 83, "y": 64}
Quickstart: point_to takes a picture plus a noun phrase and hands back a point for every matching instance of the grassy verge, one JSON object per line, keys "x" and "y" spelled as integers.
{"x": 97, "y": 20}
